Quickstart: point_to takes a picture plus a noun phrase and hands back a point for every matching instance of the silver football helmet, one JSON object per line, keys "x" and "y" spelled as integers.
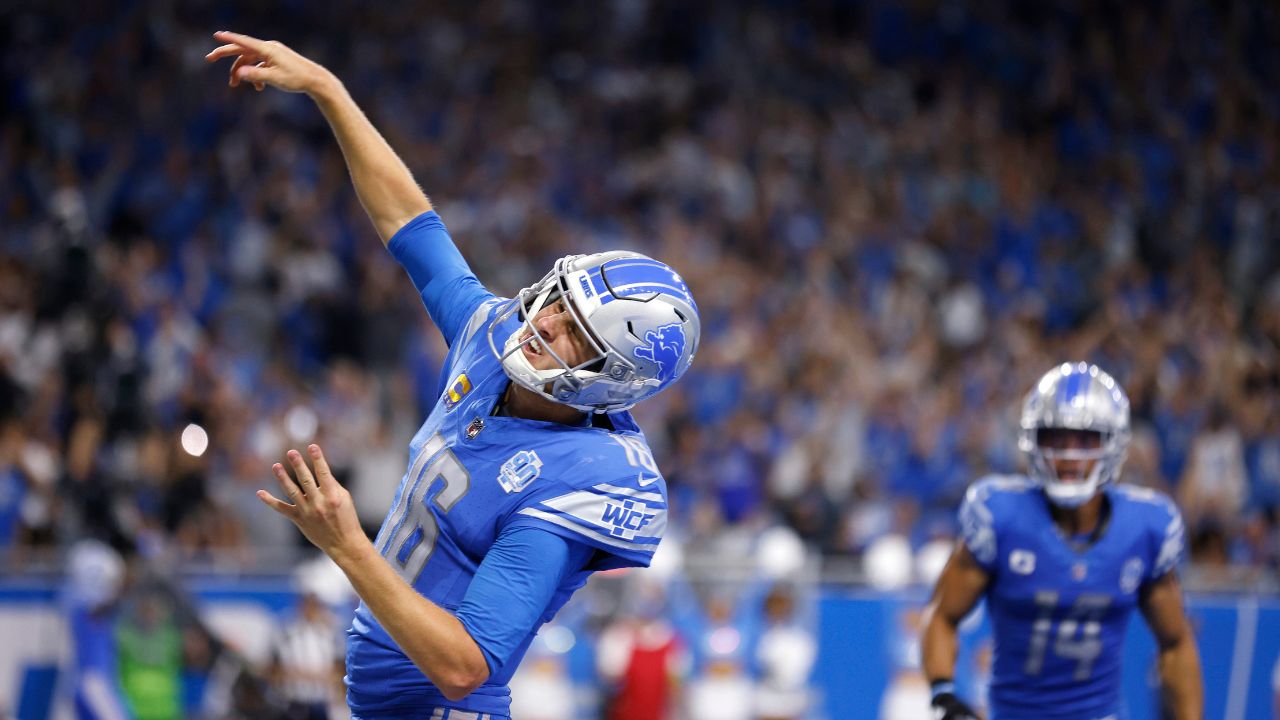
{"x": 1075, "y": 396}
{"x": 636, "y": 314}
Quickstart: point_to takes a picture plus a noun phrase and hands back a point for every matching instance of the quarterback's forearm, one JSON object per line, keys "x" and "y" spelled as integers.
{"x": 1180, "y": 679}
{"x": 383, "y": 183}
{"x": 431, "y": 637}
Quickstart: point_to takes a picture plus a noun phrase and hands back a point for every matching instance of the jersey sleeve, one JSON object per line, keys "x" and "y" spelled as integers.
{"x": 623, "y": 518}
{"x": 978, "y": 525}
{"x": 512, "y": 587}
{"x": 1169, "y": 537}
{"x": 450, "y": 291}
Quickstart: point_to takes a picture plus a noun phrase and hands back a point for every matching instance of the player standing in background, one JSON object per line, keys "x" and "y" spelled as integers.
{"x": 528, "y": 475}
{"x": 95, "y": 578}
{"x": 1062, "y": 556}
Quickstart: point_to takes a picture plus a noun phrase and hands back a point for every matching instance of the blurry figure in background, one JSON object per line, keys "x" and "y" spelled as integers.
{"x": 1214, "y": 487}
{"x": 784, "y": 658}
{"x": 1063, "y": 555}
{"x": 150, "y": 658}
{"x": 28, "y": 480}
{"x": 907, "y": 696}
{"x": 95, "y": 577}
{"x": 641, "y": 658}
{"x": 307, "y": 661}
{"x": 13, "y": 483}
{"x": 721, "y": 689}
{"x": 541, "y": 689}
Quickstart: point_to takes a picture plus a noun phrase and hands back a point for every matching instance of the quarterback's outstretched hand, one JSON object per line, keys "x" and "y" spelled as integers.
{"x": 321, "y": 508}
{"x": 946, "y": 706}
{"x": 266, "y": 62}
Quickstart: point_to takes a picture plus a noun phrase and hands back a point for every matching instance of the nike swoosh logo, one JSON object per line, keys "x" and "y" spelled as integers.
{"x": 642, "y": 482}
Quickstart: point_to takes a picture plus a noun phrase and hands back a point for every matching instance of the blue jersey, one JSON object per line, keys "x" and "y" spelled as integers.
{"x": 474, "y": 476}
{"x": 1058, "y": 614}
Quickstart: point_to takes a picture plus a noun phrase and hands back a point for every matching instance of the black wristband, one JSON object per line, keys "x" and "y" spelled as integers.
{"x": 942, "y": 686}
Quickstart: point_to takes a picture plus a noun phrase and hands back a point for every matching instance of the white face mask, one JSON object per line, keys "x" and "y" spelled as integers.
{"x": 1104, "y": 466}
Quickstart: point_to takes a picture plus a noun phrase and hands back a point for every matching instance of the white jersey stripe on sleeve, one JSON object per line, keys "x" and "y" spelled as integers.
{"x": 588, "y": 532}
{"x": 626, "y": 518}
{"x": 649, "y": 497}
{"x": 478, "y": 319}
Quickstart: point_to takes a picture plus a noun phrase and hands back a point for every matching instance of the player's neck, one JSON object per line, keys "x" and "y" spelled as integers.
{"x": 521, "y": 403}
{"x": 1079, "y": 520}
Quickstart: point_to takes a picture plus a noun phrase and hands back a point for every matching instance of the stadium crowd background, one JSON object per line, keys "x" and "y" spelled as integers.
{"x": 894, "y": 217}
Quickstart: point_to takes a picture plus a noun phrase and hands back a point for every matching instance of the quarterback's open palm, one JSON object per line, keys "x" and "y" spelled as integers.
{"x": 265, "y": 62}
{"x": 321, "y": 508}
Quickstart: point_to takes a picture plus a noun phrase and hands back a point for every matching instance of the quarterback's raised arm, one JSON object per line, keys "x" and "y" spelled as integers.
{"x": 384, "y": 185}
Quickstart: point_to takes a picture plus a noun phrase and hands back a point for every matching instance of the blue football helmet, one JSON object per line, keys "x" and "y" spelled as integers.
{"x": 1075, "y": 396}
{"x": 637, "y": 315}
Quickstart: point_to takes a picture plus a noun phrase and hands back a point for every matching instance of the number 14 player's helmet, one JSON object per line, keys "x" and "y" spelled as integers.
{"x": 635, "y": 313}
{"x": 1075, "y": 396}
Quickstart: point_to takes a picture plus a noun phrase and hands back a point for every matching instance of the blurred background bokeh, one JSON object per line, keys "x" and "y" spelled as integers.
{"x": 894, "y": 216}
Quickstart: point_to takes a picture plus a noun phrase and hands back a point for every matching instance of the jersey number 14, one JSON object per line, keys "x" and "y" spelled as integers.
{"x": 1079, "y": 635}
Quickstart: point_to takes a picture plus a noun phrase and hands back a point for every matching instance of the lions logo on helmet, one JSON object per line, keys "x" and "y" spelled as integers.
{"x": 636, "y": 313}
{"x": 665, "y": 345}
{"x": 1075, "y": 396}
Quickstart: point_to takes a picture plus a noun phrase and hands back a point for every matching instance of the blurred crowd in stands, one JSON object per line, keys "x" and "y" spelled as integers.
{"x": 894, "y": 216}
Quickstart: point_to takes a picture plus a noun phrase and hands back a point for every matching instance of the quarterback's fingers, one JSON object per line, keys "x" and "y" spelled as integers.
{"x": 324, "y": 476}
{"x": 291, "y": 489}
{"x": 279, "y": 506}
{"x": 240, "y": 61}
{"x": 260, "y": 85}
{"x": 259, "y": 75}
{"x": 302, "y": 472}
{"x": 262, "y": 47}
{"x": 223, "y": 51}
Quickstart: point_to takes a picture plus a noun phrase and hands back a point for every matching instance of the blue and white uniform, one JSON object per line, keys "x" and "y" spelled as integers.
{"x": 1059, "y": 613}
{"x": 94, "y": 576}
{"x": 498, "y": 519}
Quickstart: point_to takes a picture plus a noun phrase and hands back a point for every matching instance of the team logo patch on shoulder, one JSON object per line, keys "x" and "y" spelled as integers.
{"x": 523, "y": 468}
{"x": 1022, "y": 562}
{"x": 664, "y": 348}
{"x": 458, "y": 389}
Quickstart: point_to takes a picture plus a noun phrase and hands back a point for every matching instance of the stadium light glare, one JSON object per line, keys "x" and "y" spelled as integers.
{"x": 301, "y": 423}
{"x": 195, "y": 440}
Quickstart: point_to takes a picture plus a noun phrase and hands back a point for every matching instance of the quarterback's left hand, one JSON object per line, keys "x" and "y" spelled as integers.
{"x": 322, "y": 509}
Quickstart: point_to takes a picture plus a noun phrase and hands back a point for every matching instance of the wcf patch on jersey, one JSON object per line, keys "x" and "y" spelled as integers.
{"x": 627, "y": 518}
{"x": 523, "y": 468}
